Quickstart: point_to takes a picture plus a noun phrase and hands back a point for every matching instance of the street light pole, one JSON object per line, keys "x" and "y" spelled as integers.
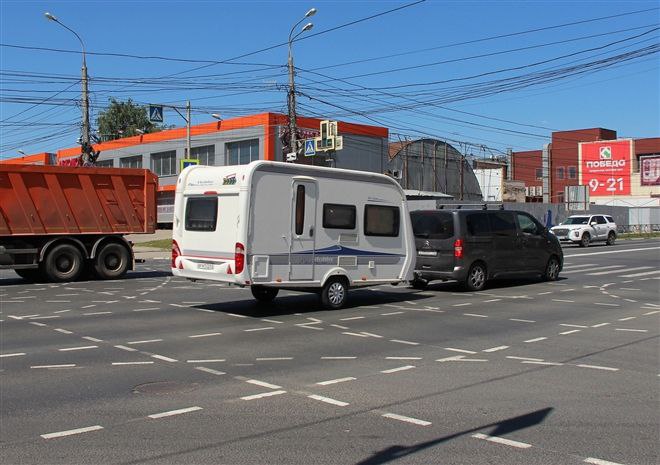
{"x": 87, "y": 155}
{"x": 291, "y": 97}
{"x": 188, "y": 128}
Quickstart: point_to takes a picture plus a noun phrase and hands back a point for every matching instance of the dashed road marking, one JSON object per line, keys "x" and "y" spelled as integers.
{"x": 414, "y": 421}
{"x": 476, "y": 315}
{"x": 598, "y": 367}
{"x": 604, "y": 304}
{"x": 335, "y": 381}
{"x": 146, "y": 341}
{"x": 521, "y": 320}
{"x": 405, "y": 342}
{"x": 328, "y": 400}
{"x": 210, "y": 370}
{"x": 258, "y": 329}
{"x": 263, "y": 384}
{"x": 272, "y": 359}
{"x": 570, "y": 332}
{"x": 97, "y": 313}
{"x": 133, "y": 363}
{"x": 600, "y": 325}
{"x": 36, "y": 323}
{"x": 16, "y": 354}
{"x": 174, "y": 412}
{"x": 637, "y": 275}
{"x": 503, "y": 441}
{"x": 205, "y": 335}
{"x": 338, "y": 358}
{"x": 212, "y": 360}
{"x": 265, "y": 394}
{"x": 492, "y": 300}
{"x": 403, "y": 358}
{"x": 651, "y": 313}
{"x": 462, "y": 351}
{"x": 92, "y": 339}
{"x": 564, "y": 301}
{"x": 568, "y": 325}
{"x": 66, "y": 365}
{"x": 71, "y": 432}
{"x": 352, "y": 318}
{"x": 68, "y": 349}
{"x": 621, "y": 271}
{"x": 63, "y": 331}
{"x": 525, "y": 358}
{"x": 627, "y": 318}
{"x": 348, "y": 333}
{"x": 496, "y": 349}
{"x": 632, "y": 330}
{"x": 391, "y": 313}
{"x": 127, "y": 349}
{"x": 394, "y": 370}
{"x": 596, "y": 461}
{"x": 339, "y": 326}
{"x": 371, "y": 334}
{"x": 163, "y": 358}
{"x": 462, "y": 305}
{"x": 533, "y": 362}
{"x": 266, "y": 320}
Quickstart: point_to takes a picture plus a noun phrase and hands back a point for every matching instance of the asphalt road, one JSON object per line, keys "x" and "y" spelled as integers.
{"x": 153, "y": 369}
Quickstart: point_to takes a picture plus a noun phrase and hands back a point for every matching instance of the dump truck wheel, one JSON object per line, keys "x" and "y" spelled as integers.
{"x": 63, "y": 263}
{"x": 112, "y": 261}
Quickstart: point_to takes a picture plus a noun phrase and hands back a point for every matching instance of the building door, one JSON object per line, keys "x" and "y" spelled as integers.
{"x": 303, "y": 230}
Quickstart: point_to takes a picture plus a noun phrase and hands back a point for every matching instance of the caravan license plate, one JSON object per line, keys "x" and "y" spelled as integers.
{"x": 427, "y": 253}
{"x": 205, "y": 266}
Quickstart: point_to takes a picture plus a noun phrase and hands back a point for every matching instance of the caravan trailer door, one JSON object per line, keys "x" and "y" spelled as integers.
{"x": 303, "y": 230}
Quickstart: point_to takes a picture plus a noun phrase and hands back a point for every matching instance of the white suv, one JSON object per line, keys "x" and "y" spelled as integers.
{"x": 584, "y": 229}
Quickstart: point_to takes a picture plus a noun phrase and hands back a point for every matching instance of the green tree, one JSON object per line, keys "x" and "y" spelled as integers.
{"x": 123, "y": 119}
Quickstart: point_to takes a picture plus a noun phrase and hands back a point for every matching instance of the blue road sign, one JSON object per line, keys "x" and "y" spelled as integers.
{"x": 156, "y": 113}
{"x": 310, "y": 149}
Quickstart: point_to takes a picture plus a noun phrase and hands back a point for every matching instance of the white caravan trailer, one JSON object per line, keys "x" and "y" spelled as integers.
{"x": 272, "y": 225}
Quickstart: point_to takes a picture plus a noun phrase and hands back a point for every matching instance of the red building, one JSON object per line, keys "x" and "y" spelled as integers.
{"x": 564, "y": 166}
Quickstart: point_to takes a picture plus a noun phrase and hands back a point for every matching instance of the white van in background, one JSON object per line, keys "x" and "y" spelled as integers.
{"x": 272, "y": 225}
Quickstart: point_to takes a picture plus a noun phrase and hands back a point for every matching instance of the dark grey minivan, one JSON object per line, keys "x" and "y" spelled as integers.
{"x": 473, "y": 246}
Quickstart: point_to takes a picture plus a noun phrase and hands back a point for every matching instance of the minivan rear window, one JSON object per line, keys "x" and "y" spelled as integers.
{"x": 201, "y": 213}
{"x": 433, "y": 225}
{"x": 477, "y": 224}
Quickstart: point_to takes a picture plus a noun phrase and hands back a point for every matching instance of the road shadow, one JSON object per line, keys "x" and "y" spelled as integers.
{"x": 504, "y": 283}
{"x": 501, "y": 428}
{"x": 310, "y": 302}
{"x": 131, "y": 275}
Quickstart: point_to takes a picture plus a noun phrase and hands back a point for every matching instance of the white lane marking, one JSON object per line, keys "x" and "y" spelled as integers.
{"x": 521, "y": 320}
{"x": 391, "y": 313}
{"x": 352, "y": 318}
{"x": 212, "y": 360}
{"x": 92, "y": 339}
{"x": 544, "y": 293}
{"x": 503, "y": 441}
{"x": 237, "y": 316}
{"x": 606, "y": 304}
{"x": 410, "y": 343}
{"x": 265, "y": 394}
{"x": 266, "y": 320}
{"x": 630, "y": 300}
{"x": 625, "y": 270}
{"x": 273, "y": 359}
{"x": 133, "y": 363}
{"x": 532, "y": 362}
{"x": 68, "y": 365}
{"x": 570, "y": 332}
{"x": 328, "y": 400}
{"x": 174, "y": 412}
{"x": 44, "y": 317}
{"x": 335, "y": 381}
{"x": 598, "y": 367}
{"x": 563, "y": 300}
{"x": 652, "y": 313}
{"x": 394, "y": 370}
{"x": 71, "y": 432}
{"x": 146, "y": 341}
{"x": 371, "y": 334}
{"x": 162, "y": 357}
{"x": 145, "y": 309}
{"x": 568, "y": 325}
{"x": 477, "y": 315}
{"x": 36, "y": 323}
{"x": 636, "y": 275}
{"x": 627, "y": 318}
{"x": 495, "y": 349}
{"x": 258, "y": 329}
{"x": 348, "y": 333}
{"x": 453, "y": 358}
{"x": 128, "y": 349}
{"x": 414, "y": 421}
{"x": 596, "y": 461}
{"x": 612, "y": 251}
{"x": 210, "y": 370}
{"x": 96, "y": 313}
{"x": 462, "y": 305}
{"x": 263, "y": 384}
{"x": 308, "y": 326}
{"x": 525, "y": 358}
{"x": 629, "y": 289}
{"x": 62, "y": 311}
{"x": 339, "y": 326}
{"x": 632, "y": 330}
{"x": 205, "y": 335}
{"x": 67, "y": 349}
{"x": 403, "y": 358}
{"x": 338, "y": 358}
{"x": 88, "y": 306}
{"x": 462, "y": 351}
{"x": 600, "y": 325}
{"x": 63, "y": 331}
{"x": 492, "y": 300}
{"x": 16, "y": 354}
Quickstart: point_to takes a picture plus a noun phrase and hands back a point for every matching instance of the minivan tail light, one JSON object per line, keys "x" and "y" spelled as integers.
{"x": 239, "y": 258}
{"x": 175, "y": 253}
{"x": 458, "y": 248}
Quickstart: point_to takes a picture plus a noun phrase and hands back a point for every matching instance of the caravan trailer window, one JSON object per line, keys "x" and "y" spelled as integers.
{"x": 300, "y": 209}
{"x": 336, "y": 216}
{"x": 201, "y": 213}
{"x": 380, "y": 220}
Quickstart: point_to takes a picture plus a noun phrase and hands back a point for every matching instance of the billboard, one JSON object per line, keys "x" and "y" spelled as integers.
{"x": 605, "y": 166}
{"x": 649, "y": 168}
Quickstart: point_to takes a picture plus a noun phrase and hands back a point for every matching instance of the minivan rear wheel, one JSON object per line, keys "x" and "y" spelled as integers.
{"x": 263, "y": 293}
{"x": 419, "y": 283}
{"x": 476, "y": 278}
{"x": 551, "y": 270}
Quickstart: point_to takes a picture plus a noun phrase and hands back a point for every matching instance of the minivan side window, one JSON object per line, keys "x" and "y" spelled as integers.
{"x": 527, "y": 224}
{"x": 477, "y": 224}
{"x": 338, "y": 216}
{"x": 201, "y": 213}
{"x": 502, "y": 223}
{"x": 300, "y": 209}
{"x": 380, "y": 220}
{"x": 433, "y": 225}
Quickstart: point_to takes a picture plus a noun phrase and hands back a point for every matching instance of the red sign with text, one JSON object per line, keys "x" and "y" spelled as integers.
{"x": 605, "y": 167}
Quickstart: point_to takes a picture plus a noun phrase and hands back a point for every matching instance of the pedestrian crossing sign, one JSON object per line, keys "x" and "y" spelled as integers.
{"x": 310, "y": 149}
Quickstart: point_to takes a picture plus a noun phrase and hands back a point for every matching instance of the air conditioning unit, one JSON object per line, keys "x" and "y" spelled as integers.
{"x": 527, "y": 191}
{"x": 539, "y": 191}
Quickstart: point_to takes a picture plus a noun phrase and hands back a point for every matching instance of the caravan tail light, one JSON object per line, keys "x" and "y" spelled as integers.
{"x": 175, "y": 253}
{"x": 458, "y": 248}
{"x": 239, "y": 258}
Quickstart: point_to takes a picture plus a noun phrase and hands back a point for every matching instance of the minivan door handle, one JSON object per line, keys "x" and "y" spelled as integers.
{"x": 311, "y": 231}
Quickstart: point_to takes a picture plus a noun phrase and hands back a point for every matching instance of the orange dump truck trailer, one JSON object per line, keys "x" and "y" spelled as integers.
{"x": 58, "y": 223}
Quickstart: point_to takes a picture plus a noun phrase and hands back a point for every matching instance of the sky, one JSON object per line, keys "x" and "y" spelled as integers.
{"x": 484, "y": 75}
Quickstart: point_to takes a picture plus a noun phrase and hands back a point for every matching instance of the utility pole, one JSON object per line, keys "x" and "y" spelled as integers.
{"x": 291, "y": 94}
{"x": 188, "y": 155}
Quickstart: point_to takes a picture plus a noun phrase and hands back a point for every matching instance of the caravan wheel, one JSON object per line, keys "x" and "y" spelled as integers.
{"x": 333, "y": 295}
{"x": 264, "y": 294}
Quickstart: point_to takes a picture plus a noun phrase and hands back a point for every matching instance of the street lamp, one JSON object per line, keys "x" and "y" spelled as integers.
{"x": 291, "y": 100}
{"x": 87, "y": 154}
{"x": 216, "y": 116}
